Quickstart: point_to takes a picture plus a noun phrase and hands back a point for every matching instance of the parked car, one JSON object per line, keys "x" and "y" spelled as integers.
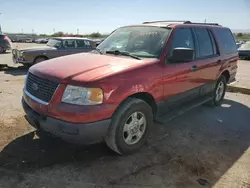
{"x": 117, "y": 91}
{"x": 244, "y": 50}
{"x": 5, "y": 43}
{"x": 98, "y": 41}
{"x": 56, "y": 47}
{"x": 29, "y": 40}
{"x": 42, "y": 41}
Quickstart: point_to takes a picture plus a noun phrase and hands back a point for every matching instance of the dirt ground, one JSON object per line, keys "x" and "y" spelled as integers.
{"x": 209, "y": 146}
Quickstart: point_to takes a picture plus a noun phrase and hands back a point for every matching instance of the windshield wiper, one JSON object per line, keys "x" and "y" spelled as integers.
{"x": 117, "y": 52}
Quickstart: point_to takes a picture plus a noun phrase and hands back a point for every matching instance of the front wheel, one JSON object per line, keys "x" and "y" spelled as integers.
{"x": 130, "y": 126}
{"x": 1, "y": 50}
{"x": 39, "y": 59}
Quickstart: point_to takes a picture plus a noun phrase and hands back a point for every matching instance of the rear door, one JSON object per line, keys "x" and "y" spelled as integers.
{"x": 68, "y": 47}
{"x": 83, "y": 45}
{"x": 207, "y": 59}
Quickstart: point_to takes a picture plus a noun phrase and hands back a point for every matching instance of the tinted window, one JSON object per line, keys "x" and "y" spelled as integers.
{"x": 226, "y": 40}
{"x": 204, "y": 41}
{"x": 183, "y": 38}
{"x": 215, "y": 49}
{"x": 83, "y": 44}
{"x": 69, "y": 44}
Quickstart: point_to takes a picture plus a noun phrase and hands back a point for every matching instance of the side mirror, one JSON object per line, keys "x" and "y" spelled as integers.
{"x": 182, "y": 55}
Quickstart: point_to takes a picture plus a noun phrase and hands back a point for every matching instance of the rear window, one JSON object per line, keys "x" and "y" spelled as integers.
{"x": 226, "y": 39}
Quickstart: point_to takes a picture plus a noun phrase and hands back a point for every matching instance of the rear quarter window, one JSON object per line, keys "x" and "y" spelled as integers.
{"x": 226, "y": 40}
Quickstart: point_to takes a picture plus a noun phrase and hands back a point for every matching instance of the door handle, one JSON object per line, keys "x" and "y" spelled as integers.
{"x": 194, "y": 68}
{"x": 219, "y": 61}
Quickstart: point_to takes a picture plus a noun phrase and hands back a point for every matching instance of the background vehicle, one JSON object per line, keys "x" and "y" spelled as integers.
{"x": 155, "y": 71}
{"x": 244, "y": 50}
{"x": 56, "y": 47}
{"x": 5, "y": 43}
{"x": 42, "y": 40}
{"x": 29, "y": 40}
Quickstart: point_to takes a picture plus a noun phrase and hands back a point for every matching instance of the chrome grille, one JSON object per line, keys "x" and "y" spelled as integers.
{"x": 40, "y": 88}
{"x": 15, "y": 53}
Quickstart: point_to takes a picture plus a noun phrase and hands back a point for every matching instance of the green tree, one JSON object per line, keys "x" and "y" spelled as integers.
{"x": 58, "y": 34}
{"x": 95, "y": 35}
{"x": 239, "y": 34}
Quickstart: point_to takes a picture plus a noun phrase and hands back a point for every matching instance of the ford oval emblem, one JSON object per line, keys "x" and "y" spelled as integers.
{"x": 34, "y": 86}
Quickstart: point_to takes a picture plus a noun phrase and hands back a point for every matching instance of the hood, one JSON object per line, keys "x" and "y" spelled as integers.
{"x": 86, "y": 67}
{"x": 36, "y": 48}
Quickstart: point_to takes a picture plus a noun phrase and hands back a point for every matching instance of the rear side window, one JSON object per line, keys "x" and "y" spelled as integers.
{"x": 205, "y": 43}
{"x": 83, "y": 44}
{"x": 226, "y": 40}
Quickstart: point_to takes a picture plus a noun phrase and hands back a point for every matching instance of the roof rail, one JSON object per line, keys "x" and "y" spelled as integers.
{"x": 204, "y": 23}
{"x": 171, "y": 21}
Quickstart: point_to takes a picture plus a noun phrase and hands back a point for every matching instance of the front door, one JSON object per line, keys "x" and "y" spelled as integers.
{"x": 179, "y": 83}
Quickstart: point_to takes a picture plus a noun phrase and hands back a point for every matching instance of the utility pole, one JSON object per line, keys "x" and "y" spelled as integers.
{"x": 77, "y": 31}
{"x": 54, "y": 31}
{"x": 22, "y": 31}
{"x": 205, "y": 21}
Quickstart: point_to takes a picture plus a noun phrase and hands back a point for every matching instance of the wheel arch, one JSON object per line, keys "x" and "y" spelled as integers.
{"x": 226, "y": 74}
{"x": 145, "y": 96}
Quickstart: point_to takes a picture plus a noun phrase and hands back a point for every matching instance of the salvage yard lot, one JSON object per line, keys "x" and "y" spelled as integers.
{"x": 206, "y": 143}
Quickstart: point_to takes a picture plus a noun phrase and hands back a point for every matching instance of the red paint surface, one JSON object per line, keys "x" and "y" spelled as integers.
{"x": 120, "y": 77}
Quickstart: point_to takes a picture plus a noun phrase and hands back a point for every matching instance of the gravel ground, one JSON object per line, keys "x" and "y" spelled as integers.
{"x": 210, "y": 145}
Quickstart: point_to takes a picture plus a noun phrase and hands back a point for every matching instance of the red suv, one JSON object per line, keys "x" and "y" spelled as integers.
{"x": 139, "y": 74}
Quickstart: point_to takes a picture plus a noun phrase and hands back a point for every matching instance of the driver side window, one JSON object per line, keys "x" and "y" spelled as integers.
{"x": 183, "y": 38}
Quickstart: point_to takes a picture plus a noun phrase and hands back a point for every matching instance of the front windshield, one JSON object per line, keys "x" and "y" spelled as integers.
{"x": 54, "y": 43}
{"x": 245, "y": 46}
{"x": 140, "y": 41}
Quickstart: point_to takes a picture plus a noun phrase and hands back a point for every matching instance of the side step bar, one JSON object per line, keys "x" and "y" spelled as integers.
{"x": 164, "y": 118}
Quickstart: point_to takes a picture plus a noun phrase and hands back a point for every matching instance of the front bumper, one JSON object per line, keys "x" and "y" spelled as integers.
{"x": 80, "y": 133}
{"x": 16, "y": 60}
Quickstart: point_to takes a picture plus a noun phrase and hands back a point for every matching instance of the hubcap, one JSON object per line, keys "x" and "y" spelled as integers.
{"x": 219, "y": 91}
{"x": 134, "y": 128}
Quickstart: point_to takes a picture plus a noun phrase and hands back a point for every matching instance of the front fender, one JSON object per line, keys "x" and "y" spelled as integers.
{"x": 120, "y": 92}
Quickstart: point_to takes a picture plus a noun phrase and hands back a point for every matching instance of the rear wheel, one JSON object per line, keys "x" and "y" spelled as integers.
{"x": 130, "y": 126}
{"x": 219, "y": 91}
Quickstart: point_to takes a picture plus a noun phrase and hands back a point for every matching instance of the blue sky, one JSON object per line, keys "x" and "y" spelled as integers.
{"x": 106, "y": 15}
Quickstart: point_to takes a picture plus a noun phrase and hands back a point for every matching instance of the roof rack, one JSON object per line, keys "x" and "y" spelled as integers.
{"x": 180, "y": 21}
{"x": 204, "y": 23}
{"x": 166, "y": 21}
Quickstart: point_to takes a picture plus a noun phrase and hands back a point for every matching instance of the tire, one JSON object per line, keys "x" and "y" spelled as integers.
{"x": 39, "y": 60}
{"x": 1, "y": 50}
{"x": 218, "y": 98}
{"x": 118, "y": 137}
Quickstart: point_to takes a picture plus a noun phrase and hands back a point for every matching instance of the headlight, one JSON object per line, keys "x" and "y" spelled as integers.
{"x": 21, "y": 54}
{"x": 82, "y": 95}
